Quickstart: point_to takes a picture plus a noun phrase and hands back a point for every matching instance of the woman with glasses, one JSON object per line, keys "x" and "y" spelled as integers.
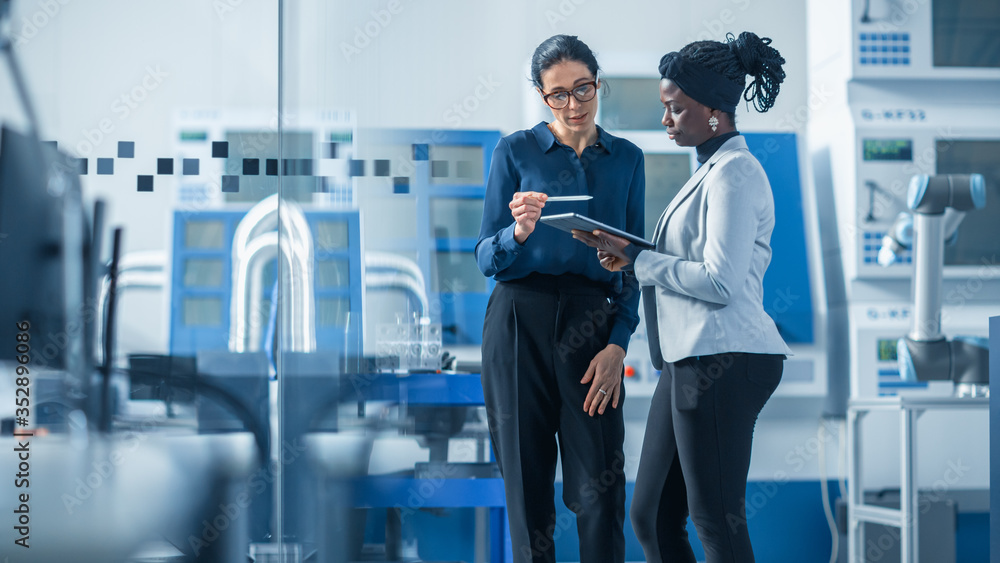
{"x": 558, "y": 324}
{"x": 702, "y": 292}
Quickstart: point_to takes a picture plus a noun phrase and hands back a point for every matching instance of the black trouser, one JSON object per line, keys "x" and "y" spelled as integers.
{"x": 696, "y": 455}
{"x": 538, "y": 340}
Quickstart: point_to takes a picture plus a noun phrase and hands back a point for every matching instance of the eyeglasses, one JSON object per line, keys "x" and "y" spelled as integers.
{"x": 560, "y": 98}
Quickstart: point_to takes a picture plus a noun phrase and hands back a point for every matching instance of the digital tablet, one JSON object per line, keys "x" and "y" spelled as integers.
{"x": 569, "y": 221}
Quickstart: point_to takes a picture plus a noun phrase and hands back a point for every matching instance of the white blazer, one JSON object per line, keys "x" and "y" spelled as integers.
{"x": 702, "y": 286}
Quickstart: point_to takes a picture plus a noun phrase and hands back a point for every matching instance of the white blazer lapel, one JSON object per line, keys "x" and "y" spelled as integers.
{"x": 683, "y": 194}
{"x": 735, "y": 143}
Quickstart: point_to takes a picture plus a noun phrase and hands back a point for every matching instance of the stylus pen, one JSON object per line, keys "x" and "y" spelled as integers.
{"x": 570, "y": 198}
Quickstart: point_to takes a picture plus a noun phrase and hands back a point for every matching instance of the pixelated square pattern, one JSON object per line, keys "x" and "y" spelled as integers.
{"x": 439, "y": 169}
{"x": 220, "y": 149}
{"x": 230, "y": 184}
{"x": 165, "y": 166}
{"x": 105, "y": 166}
{"x": 272, "y": 166}
{"x": 189, "y": 167}
{"x": 400, "y": 185}
{"x": 126, "y": 149}
{"x": 421, "y": 152}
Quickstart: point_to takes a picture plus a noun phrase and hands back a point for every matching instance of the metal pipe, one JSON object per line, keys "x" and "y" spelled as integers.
{"x": 400, "y": 281}
{"x": 263, "y": 248}
{"x": 386, "y": 260}
{"x": 126, "y": 280}
{"x": 143, "y": 260}
{"x": 929, "y": 265}
{"x": 299, "y": 238}
{"x": 295, "y": 235}
{"x": 255, "y": 281}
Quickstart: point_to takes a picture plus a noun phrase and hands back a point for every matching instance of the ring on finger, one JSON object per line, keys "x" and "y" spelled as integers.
{"x": 602, "y": 391}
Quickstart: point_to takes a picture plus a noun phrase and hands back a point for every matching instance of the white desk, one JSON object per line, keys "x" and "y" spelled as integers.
{"x": 906, "y": 518}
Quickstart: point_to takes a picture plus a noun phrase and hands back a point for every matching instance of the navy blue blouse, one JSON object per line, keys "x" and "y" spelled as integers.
{"x": 611, "y": 170}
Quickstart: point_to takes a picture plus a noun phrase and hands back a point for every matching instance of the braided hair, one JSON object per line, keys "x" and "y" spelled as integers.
{"x": 738, "y": 57}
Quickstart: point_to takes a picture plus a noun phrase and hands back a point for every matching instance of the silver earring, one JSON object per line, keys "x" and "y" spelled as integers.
{"x": 713, "y": 122}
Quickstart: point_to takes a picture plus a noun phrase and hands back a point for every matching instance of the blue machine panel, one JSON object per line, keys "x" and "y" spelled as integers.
{"x": 201, "y": 287}
{"x": 787, "y": 293}
{"x": 449, "y": 211}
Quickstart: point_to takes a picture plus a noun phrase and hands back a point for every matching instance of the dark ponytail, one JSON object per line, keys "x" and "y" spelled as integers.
{"x": 761, "y": 61}
{"x": 557, "y": 49}
{"x": 740, "y": 56}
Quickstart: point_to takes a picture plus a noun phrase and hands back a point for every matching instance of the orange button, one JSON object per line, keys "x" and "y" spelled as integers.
{"x": 629, "y": 371}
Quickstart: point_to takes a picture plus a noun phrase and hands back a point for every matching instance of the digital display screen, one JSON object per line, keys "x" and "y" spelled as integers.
{"x": 888, "y": 149}
{"x": 632, "y": 104}
{"x": 454, "y": 217}
{"x": 887, "y": 350}
{"x": 964, "y": 33}
{"x": 202, "y": 311}
{"x": 203, "y": 272}
{"x": 204, "y": 234}
{"x": 333, "y": 273}
{"x": 332, "y": 235}
{"x": 978, "y": 235}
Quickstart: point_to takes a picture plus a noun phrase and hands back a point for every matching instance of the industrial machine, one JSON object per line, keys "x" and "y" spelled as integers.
{"x": 378, "y": 229}
{"x": 918, "y": 100}
{"x": 903, "y": 126}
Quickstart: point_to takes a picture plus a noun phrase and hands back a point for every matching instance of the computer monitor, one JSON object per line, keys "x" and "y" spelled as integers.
{"x": 45, "y": 256}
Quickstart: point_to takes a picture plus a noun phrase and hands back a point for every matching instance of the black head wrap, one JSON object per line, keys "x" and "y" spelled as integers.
{"x": 701, "y": 83}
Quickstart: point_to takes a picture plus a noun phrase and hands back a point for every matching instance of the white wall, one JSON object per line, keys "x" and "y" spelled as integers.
{"x": 430, "y": 56}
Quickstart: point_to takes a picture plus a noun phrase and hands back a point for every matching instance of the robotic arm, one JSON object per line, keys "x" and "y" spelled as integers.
{"x": 938, "y": 205}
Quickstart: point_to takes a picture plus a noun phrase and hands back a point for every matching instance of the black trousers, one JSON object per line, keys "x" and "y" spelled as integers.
{"x": 696, "y": 455}
{"x": 539, "y": 337}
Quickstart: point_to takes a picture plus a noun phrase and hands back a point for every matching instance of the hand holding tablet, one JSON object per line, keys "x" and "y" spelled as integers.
{"x": 574, "y": 221}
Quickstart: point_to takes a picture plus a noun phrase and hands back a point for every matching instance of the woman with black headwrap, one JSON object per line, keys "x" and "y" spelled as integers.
{"x": 721, "y": 355}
